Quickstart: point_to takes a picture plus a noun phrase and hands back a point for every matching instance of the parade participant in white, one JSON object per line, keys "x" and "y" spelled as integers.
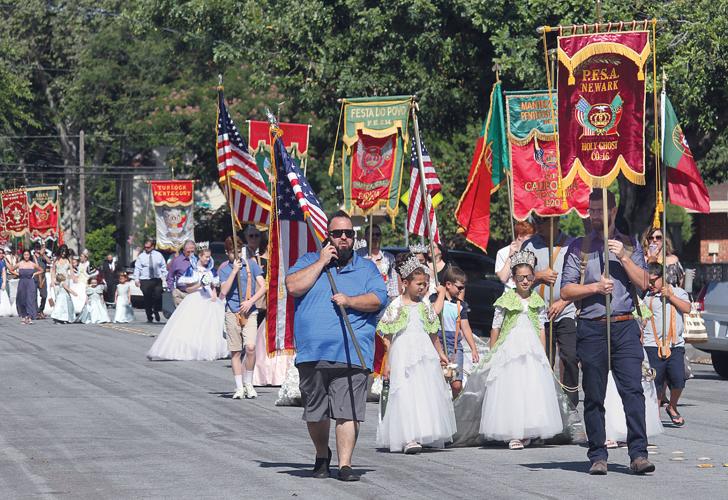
{"x": 95, "y": 309}
{"x": 419, "y": 411}
{"x": 6, "y": 308}
{"x": 124, "y": 312}
{"x": 194, "y": 332}
{"x": 63, "y": 311}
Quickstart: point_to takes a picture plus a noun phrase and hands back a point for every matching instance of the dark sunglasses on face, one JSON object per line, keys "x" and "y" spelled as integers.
{"x": 656, "y": 237}
{"x": 654, "y": 280}
{"x": 338, "y": 233}
{"x": 460, "y": 287}
{"x": 520, "y": 278}
{"x": 254, "y": 235}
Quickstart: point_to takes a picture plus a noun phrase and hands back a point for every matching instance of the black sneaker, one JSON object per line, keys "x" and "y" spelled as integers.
{"x": 346, "y": 473}
{"x": 156, "y": 317}
{"x": 321, "y": 467}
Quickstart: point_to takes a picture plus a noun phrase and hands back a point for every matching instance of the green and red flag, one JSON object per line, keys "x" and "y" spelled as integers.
{"x": 684, "y": 182}
{"x": 601, "y": 103}
{"x": 533, "y": 157}
{"x": 373, "y": 152}
{"x": 295, "y": 139}
{"x": 487, "y": 170}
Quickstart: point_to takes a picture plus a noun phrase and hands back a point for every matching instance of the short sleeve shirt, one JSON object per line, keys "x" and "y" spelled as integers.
{"x": 540, "y": 249}
{"x": 594, "y": 306}
{"x": 654, "y": 302}
{"x": 500, "y": 262}
{"x": 319, "y": 329}
{"x": 450, "y": 312}
{"x": 233, "y": 297}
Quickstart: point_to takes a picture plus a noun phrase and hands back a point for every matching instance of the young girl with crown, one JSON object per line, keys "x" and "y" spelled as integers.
{"x": 419, "y": 410}
{"x": 513, "y": 388}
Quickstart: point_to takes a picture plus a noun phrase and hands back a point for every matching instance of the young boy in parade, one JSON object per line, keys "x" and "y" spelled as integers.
{"x": 521, "y": 401}
{"x": 455, "y": 321}
{"x": 419, "y": 411}
{"x": 666, "y": 350}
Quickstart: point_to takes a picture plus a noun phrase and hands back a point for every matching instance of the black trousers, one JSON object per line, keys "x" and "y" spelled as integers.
{"x": 564, "y": 334}
{"x": 43, "y": 291}
{"x": 627, "y": 356}
{"x": 152, "y": 291}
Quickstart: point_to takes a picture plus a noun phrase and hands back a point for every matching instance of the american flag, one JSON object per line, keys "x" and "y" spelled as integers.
{"x": 290, "y": 238}
{"x": 416, "y": 207}
{"x": 251, "y": 199}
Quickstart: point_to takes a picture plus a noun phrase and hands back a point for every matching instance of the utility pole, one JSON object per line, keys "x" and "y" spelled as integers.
{"x": 81, "y": 192}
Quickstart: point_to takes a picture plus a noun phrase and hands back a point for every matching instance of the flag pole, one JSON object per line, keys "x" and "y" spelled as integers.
{"x": 663, "y": 172}
{"x": 427, "y": 202}
{"x": 607, "y": 297}
{"x": 551, "y": 293}
{"x": 229, "y": 193}
{"x": 334, "y": 289}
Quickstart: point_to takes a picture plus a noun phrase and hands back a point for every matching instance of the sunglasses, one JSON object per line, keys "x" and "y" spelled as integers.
{"x": 656, "y": 237}
{"x": 654, "y": 280}
{"x": 338, "y": 233}
{"x": 460, "y": 287}
{"x": 520, "y": 278}
{"x": 254, "y": 235}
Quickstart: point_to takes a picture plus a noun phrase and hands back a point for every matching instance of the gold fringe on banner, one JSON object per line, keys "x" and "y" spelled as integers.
{"x": 571, "y": 63}
{"x": 606, "y": 180}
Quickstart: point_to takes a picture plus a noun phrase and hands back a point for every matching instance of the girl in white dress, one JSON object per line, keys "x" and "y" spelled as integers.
{"x": 63, "y": 311}
{"x": 95, "y": 309}
{"x": 419, "y": 410}
{"x": 194, "y": 332}
{"x": 124, "y": 312}
{"x": 6, "y": 308}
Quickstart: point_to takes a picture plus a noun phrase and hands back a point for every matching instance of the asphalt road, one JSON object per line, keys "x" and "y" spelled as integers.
{"x": 83, "y": 414}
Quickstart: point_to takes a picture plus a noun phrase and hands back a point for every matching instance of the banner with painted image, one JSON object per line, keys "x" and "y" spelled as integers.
{"x": 601, "y": 104}
{"x": 15, "y": 211}
{"x": 375, "y": 136}
{"x": 532, "y": 150}
{"x": 43, "y": 213}
{"x": 295, "y": 139}
{"x": 173, "y": 212}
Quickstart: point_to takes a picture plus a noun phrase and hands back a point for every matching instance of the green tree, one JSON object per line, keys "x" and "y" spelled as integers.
{"x": 100, "y": 242}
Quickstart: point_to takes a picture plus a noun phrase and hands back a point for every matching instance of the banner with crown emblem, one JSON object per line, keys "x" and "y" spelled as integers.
{"x": 533, "y": 159}
{"x": 15, "y": 210}
{"x": 601, "y": 103}
{"x": 43, "y": 213}
{"x": 173, "y": 212}
{"x": 374, "y": 135}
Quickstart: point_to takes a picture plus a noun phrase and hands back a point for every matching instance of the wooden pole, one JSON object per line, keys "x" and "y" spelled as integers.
{"x": 551, "y": 292}
{"x": 509, "y": 188}
{"x": 371, "y": 230}
{"x": 427, "y": 203}
{"x": 82, "y": 191}
{"x": 608, "y": 297}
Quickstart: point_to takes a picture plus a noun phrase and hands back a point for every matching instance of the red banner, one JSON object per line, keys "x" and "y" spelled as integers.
{"x": 43, "y": 213}
{"x": 172, "y": 193}
{"x": 4, "y": 235}
{"x": 372, "y": 167}
{"x": 601, "y": 103}
{"x": 295, "y": 136}
{"x": 15, "y": 209}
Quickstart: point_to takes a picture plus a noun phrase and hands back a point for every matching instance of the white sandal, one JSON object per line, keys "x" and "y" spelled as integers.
{"x": 515, "y": 444}
{"x": 412, "y": 448}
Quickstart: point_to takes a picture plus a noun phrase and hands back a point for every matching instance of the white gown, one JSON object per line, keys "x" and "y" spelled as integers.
{"x": 6, "y": 308}
{"x": 124, "y": 312}
{"x": 420, "y": 402}
{"x": 95, "y": 309}
{"x": 79, "y": 285}
{"x": 616, "y": 422}
{"x": 194, "y": 332}
{"x": 520, "y": 395}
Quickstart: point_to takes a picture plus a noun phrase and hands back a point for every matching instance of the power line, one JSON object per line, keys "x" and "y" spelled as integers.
{"x": 76, "y": 136}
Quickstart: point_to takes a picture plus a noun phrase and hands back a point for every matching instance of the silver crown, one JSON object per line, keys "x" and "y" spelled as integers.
{"x": 203, "y": 245}
{"x": 409, "y": 266}
{"x": 418, "y": 248}
{"x": 523, "y": 257}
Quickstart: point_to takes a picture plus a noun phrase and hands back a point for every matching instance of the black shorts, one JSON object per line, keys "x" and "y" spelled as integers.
{"x": 332, "y": 390}
{"x": 670, "y": 370}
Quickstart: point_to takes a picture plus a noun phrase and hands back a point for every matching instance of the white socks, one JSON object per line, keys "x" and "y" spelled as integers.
{"x": 248, "y": 376}
{"x": 238, "y": 381}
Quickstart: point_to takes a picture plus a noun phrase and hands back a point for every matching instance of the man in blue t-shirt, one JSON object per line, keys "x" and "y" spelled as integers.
{"x": 241, "y": 317}
{"x": 332, "y": 381}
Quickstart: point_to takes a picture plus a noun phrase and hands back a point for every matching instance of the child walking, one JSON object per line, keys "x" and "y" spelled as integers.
{"x": 95, "y": 310}
{"x": 448, "y": 300}
{"x": 63, "y": 311}
{"x": 124, "y": 312}
{"x": 520, "y": 401}
{"x": 419, "y": 411}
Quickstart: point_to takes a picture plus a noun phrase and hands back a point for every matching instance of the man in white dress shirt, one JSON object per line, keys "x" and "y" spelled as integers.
{"x": 150, "y": 270}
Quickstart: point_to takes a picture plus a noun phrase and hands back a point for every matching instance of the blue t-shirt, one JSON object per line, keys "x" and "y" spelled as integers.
{"x": 233, "y": 297}
{"x": 318, "y": 326}
{"x": 450, "y": 315}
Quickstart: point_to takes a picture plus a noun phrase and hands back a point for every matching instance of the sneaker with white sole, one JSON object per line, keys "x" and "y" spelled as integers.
{"x": 239, "y": 393}
{"x": 250, "y": 391}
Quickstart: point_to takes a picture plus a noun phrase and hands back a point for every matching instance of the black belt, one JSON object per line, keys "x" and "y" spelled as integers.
{"x": 614, "y": 319}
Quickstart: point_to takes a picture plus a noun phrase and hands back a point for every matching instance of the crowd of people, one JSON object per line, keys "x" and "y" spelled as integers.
{"x": 551, "y": 319}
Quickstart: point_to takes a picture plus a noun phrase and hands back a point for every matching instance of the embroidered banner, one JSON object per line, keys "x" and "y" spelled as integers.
{"x": 601, "y": 103}
{"x": 381, "y": 122}
{"x": 15, "y": 210}
{"x": 43, "y": 220}
{"x": 295, "y": 139}
{"x": 173, "y": 212}
{"x": 533, "y": 159}
{"x": 4, "y": 235}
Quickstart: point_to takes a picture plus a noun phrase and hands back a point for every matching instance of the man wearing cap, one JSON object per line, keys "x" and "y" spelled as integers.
{"x": 583, "y": 281}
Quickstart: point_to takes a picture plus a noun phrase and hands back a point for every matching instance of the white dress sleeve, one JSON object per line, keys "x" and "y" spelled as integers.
{"x": 542, "y": 316}
{"x": 498, "y": 317}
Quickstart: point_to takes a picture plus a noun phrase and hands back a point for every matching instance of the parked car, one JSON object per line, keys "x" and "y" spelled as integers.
{"x": 483, "y": 286}
{"x": 715, "y": 315}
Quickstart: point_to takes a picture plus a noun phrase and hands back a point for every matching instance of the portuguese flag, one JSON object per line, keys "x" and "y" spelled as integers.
{"x": 684, "y": 183}
{"x": 487, "y": 171}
